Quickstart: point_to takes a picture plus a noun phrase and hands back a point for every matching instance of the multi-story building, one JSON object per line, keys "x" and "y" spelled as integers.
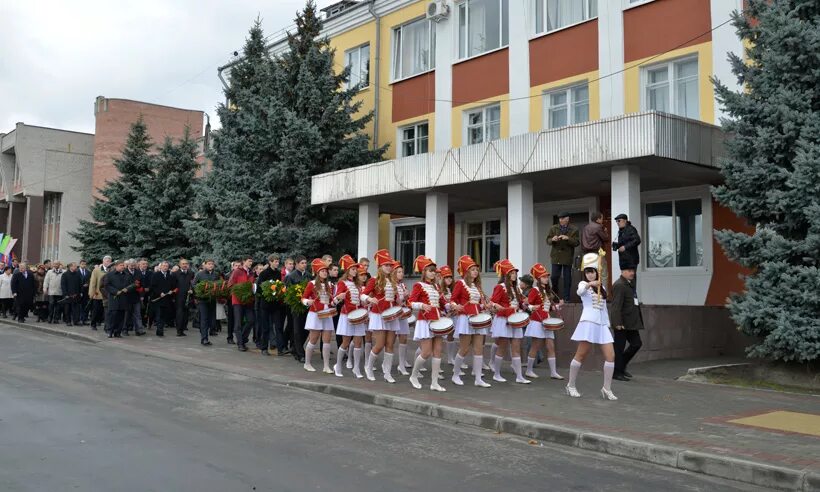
{"x": 501, "y": 113}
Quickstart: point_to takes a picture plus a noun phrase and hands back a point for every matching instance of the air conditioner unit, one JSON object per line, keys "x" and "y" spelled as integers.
{"x": 437, "y": 10}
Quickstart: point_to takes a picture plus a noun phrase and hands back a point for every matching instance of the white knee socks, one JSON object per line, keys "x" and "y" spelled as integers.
{"x": 402, "y": 354}
{"x": 357, "y": 359}
{"x": 436, "y": 369}
{"x": 574, "y": 367}
{"x": 340, "y": 355}
{"x": 368, "y": 347}
{"x": 531, "y": 363}
{"x": 451, "y": 346}
{"x": 457, "y": 370}
{"x": 414, "y": 376}
{"x": 368, "y": 366}
{"x": 493, "y": 350}
{"x": 516, "y": 365}
{"x": 309, "y": 348}
{"x": 553, "y": 370}
{"x": 478, "y": 363}
{"x": 387, "y": 367}
{"x": 326, "y": 356}
{"x": 609, "y": 368}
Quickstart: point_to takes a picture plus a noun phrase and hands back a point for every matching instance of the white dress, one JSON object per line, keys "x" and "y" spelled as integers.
{"x": 594, "y": 324}
{"x": 375, "y": 321}
{"x": 404, "y": 326}
{"x": 422, "y": 329}
{"x": 462, "y": 321}
{"x": 313, "y": 321}
{"x": 344, "y": 327}
{"x": 500, "y": 328}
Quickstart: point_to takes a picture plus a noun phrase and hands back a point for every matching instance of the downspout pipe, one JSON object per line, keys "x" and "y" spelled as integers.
{"x": 377, "y": 72}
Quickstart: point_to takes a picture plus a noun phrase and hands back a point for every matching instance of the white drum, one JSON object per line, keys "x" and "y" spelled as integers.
{"x": 357, "y": 316}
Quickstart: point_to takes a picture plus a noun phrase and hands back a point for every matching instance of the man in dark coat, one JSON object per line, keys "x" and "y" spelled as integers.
{"x": 143, "y": 274}
{"x": 563, "y": 239}
{"x": 23, "y": 289}
{"x": 71, "y": 283}
{"x": 206, "y": 307}
{"x": 117, "y": 285}
{"x": 271, "y": 314}
{"x": 85, "y": 275}
{"x": 625, "y": 317}
{"x": 185, "y": 278}
{"x": 297, "y": 276}
{"x": 162, "y": 296}
{"x": 627, "y": 244}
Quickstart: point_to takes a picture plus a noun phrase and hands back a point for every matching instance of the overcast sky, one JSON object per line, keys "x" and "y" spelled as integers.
{"x": 57, "y": 56}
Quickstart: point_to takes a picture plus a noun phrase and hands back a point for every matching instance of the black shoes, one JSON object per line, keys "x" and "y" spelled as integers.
{"x": 620, "y": 376}
{"x": 626, "y": 373}
{"x": 284, "y": 352}
{"x": 231, "y": 341}
{"x": 160, "y": 334}
{"x": 242, "y": 348}
{"x": 181, "y": 333}
{"x": 206, "y": 342}
{"x": 264, "y": 352}
{"x": 139, "y": 333}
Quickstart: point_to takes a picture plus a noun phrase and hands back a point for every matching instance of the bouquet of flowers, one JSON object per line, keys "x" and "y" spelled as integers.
{"x": 243, "y": 292}
{"x": 293, "y": 298}
{"x": 273, "y": 290}
{"x": 212, "y": 290}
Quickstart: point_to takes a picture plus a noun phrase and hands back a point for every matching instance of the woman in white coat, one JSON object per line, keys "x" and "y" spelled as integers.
{"x": 6, "y": 297}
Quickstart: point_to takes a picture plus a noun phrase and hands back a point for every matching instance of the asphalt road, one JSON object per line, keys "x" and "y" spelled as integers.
{"x": 74, "y": 416}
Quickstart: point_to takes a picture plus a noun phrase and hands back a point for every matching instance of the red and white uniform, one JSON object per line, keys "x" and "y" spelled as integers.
{"x": 401, "y": 300}
{"x": 351, "y": 301}
{"x": 321, "y": 301}
{"x": 386, "y": 299}
{"x": 539, "y": 311}
{"x": 426, "y": 293}
{"x": 469, "y": 298}
{"x": 509, "y": 306}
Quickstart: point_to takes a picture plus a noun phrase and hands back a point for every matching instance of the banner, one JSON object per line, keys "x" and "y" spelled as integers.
{"x": 9, "y": 246}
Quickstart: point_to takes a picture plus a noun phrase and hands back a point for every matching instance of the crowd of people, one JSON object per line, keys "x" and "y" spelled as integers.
{"x": 362, "y": 317}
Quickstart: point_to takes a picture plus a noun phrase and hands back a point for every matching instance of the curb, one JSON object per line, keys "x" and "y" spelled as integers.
{"x": 751, "y": 472}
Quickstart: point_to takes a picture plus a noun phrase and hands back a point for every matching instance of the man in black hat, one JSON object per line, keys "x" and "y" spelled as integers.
{"x": 627, "y": 245}
{"x": 563, "y": 238}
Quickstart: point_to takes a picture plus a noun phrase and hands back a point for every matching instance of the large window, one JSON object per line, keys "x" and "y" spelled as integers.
{"x": 484, "y": 243}
{"x": 555, "y": 14}
{"x": 414, "y": 139}
{"x": 484, "y": 124}
{"x": 414, "y": 47}
{"x": 51, "y": 226}
{"x": 482, "y": 26}
{"x": 674, "y": 231}
{"x": 358, "y": 60}
{"x": 672, "y": 88}
{"x": 409, "y": 244}
{"x": 567, "y": 106}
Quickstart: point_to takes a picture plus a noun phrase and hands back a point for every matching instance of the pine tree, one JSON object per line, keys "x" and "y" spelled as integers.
{"x": 111, "y": 230}
{"x": 772, "y": 177}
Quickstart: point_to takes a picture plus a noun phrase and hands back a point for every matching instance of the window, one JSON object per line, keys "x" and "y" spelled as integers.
{"x": 675, "y": 234}
{"x": 409, "y": 244}
{"x": 358, "y": 60}
{"x": 414, "y": 47}
{"x": 567, "y": 106}
{"x": 51, "y": 226}
{"x": 555, "y": 14}
{"x": 414, "y": 139}
{"x": 482, "y": 26}
{"x": 673, "y": 88}
{"x": 484, "y": 124}
{"x": 484, "y": 243}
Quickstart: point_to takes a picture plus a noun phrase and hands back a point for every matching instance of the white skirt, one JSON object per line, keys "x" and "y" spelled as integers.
{"x": 536, "y": 330}
{"x": 462, "y": 327}
{"x": 404, "y": 327}
{"x": 501, "y": 329}
{"x": 587, "y": 331}
{"x": 346, "y": 329}
{"x": 313, "y": 322}
{"x": 376, "y": 323}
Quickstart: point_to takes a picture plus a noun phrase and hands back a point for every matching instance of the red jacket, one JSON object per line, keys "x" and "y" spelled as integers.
{"x": 501, "y": 297}
{"x": 467, "y": 299}
{"x": 540, "y": 311}
{"x": 312, "y": 292}
{"x": 384, "y": 303}
{"x": 424, "y": 293}
{"x": 237, "y": 277}
{"x": 352, "y": 298}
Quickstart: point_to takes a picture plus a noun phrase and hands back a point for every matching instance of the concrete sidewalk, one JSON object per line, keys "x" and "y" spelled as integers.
{"x": 656, "y": 419}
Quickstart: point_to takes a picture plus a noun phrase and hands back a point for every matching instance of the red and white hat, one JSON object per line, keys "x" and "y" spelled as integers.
{"x": 538, "y": 270}
{"x": 421, "y": 262}
{"x": 360, "y": 269}
{"x": 445, "y": 271}
{"x": 382, "y": 257}
{"x": 318, "y": 265}
{"x": 465, "y": 263}
{"x": 504, "y": 267}
{"x": 346, "y": 262}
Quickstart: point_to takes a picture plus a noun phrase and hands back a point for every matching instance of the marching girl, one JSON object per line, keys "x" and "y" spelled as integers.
{"x": 380, "y": 294}
{"x": 446, "y": 284}
{"x": 506, "y": 299}
{"x": 404, "y": 326}
{"x": 348, "y": 291}
{"x": 317, "y": 296}
{"x": 593, "y": 328}
{"x": 428, "y": 301}
{"x": 539, "y": 303}
{"x": 468, "y": 300}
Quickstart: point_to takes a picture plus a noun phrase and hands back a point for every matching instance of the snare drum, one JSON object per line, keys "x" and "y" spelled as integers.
{"x": 391, "y": 314}
{"x": 518, "y": 320}
{"x": 441, "y": 326}
{"x": 326, "y": 313}
{"x": 406, "y": 312}
{"x": 481, "y": 320}
{"x": 357, "y": 316}
{"x": 553, "y": 324}
{"x": 411, "y": 321}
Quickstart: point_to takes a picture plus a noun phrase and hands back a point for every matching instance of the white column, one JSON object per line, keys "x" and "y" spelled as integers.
{"x": 519, "y": 67}
{"x": 445, "y": 55}
{"x": 368, "y": 232}
{"x": 435, "y": 227}
{"x": 611, "y": 57}
{"x": 724, "y": 41}
{"x": 520, "y": 225}
{"x": 626, "y": 199}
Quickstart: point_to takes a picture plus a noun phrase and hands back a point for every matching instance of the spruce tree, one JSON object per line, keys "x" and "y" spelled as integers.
{"x": 772, "y": 177}
{"x": 112, "y": 228}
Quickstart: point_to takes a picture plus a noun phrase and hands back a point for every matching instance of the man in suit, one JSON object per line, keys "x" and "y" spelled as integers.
{"x": 626, "y": 319}
{"x": 95, "y": 292}
{"x": 72, "y": 286}
{"x": 143, "y": 274}
{"x": 185, "y": 278}
{"x": 162, "y": 296}
{"x": 133, "y": 315}
{"x": 85, "y": 276}
{"x": 118, "y": 284}
{"x": 23, "y": 289}
{"x": 298, "y": 275}
{"x": 271, "y": 314}
{"x": 206, "y": 307}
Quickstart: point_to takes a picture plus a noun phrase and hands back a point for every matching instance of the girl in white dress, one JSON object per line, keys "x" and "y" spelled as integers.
{"x": 380, "y": 294}
{"x": 593, "y": 328}
{"x": 428, "y": 301}
{"x": 318, "y": 298}
{"x": 404, "y": 326}
{"x": 468, "y": 300}
{"x": 507, "y": 300}
{"x": 348, "y": 292}
{"x": 539, "y": 302}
